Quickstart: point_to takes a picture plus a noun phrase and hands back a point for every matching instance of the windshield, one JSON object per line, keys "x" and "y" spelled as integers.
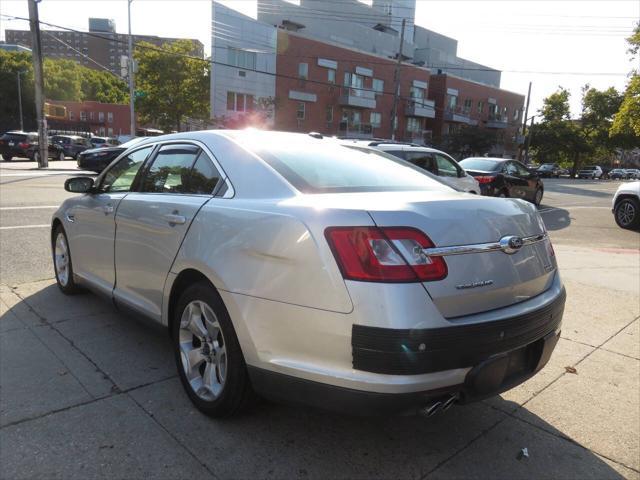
{"x": 482, "y": 164}
{"x": 16, "y": 137}
{"x": 547, "y": 166}
{"x": 316, "y": 166}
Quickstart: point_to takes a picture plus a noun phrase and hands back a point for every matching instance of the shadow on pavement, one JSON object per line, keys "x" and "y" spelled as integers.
{"x": 113, "y": 360}
{"x": 555, "y": 218}
{"x": 574, "y": 190}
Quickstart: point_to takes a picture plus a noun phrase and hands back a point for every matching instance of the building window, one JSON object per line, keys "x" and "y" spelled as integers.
{"x": 516, "y": 114}
{"x": 239, "y": 102}
{"x": 417, "y": 93}
{"x": 72, "y": 116}
{"x": 83, "y": 116}
{"x": 241, "y": 58}
{"x": 505, "y": 112}
{"x": 375, "y": 119}
{"x": 329, "y": 113}
{"x": 110, "y": 117}
{"x": 331, "y": 75}
{"x": 468, "y": 105}
{"x": 90, "y": 115}
{"x": 480, "y": 106}
{"x": 101, "y": 116}
{"x": 300, "y": 111}
{"x": 110, "y": 131}
{"x": 303, "y": 70}
{"x": 377, "y": 85}
{"x": 413, "y": 125}
{"x": 452, "y": 102}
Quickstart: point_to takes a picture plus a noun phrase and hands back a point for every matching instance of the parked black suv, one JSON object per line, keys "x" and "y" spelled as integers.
{"x": 72, "y": 145}
{"x": 25, "y": 145}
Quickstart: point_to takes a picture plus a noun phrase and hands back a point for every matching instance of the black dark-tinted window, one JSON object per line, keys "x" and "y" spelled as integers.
{"x": 204, "y": 176}
{"x": 481, "y": 164}
{"x": 424, "y": 160}
{"x": 170, "y": 170}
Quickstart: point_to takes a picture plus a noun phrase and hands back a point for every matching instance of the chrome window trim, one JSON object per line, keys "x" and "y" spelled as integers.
{"x": 230, "y": 193}
{"x": 480, "y": 247}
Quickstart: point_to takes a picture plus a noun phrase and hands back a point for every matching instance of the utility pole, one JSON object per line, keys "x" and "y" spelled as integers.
{"x": 131, "y": 85}
{"x": 396, "y": 84}
{"x": 20, "y": 102}
{"x": 34, "y": 23}
{"x": 528, "y": 141}
{"x": 524, "y": 119}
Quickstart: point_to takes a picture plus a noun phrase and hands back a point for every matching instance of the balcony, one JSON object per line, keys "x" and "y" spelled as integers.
{"x": 458, "y": 115}
{"x": 420, "y": 108}
{"x": 497, "y": 121}
{"x": 358, "y": 97}
{"x": 355, "y": 130}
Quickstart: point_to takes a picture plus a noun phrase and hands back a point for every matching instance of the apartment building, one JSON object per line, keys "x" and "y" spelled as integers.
{"x": 102, "y": 119}
{"x": 101, "y": 45}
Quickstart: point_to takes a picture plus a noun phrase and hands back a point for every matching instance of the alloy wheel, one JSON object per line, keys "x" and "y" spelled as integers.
{"x": 61, "y": 259}
{"x": 203, "y": 350}
{"x": 626, "y": 213}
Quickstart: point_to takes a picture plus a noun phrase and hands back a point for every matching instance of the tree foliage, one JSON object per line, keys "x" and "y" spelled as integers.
{"x": 469, "y": 141}
{"x": 556, "y": 106}
{"x": 627, "y": 120}
{"x": 10, "y": 64}
{"x": 174, "y": 85}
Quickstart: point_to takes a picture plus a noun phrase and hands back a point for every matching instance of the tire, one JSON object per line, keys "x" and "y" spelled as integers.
{"x": 537, "y": 199}
{"x": 7, "y": 158}
{"x": 627, "y": 213}
{"x": 62, "y": 265}
{"x": 217, "y": 382}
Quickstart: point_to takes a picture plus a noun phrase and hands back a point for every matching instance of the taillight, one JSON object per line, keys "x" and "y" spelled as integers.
{"x": 484, "y": 178}
{"x": 23, "y": 145}
{"x": 386, "y": 254}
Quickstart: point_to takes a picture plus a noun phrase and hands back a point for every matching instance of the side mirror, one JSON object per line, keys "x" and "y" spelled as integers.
{"x": 79, "y": 184}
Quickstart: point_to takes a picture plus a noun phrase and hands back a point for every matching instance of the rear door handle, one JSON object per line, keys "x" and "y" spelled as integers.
{"x": 175, "y": 219}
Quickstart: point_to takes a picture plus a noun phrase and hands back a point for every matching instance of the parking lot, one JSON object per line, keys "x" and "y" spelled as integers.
{"x": 88, "y": 392}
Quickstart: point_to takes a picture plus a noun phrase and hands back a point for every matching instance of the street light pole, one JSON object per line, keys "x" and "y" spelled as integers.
{"x": 20, "y": 102}
{"x": 396, "y": 85}
{"x": 132, "y": 112}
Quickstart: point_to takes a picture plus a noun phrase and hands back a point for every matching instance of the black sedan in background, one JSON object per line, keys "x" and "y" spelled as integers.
{"x": 549, "y": 170}
{"x": 500, "y": 177}
{"x": 97, "y": 159}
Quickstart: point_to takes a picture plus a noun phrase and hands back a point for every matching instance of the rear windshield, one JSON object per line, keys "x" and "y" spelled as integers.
{"x": 317, "y": 166}
{"x": 588, "y": 168}
{"x": 98, "y": 140}
{"x": 482, "y": 164}
{"x": 16, "y": 137}
{"x": 547, "y": 166}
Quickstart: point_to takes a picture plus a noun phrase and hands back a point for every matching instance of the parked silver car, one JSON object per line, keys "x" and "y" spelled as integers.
{"x": 304, "y": 270}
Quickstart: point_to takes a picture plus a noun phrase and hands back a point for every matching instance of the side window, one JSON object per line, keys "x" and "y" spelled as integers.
{"x": 446, "y": 168}
{"x": 204, "y": 176}
{"x": 423, "y": 160}
{"x": 170, "y": 170}
{"x": 510, "y": 169}
{"x": 396, "y": 153}
{"x": 522, "y": 170}
{"x": 119, "y": 178}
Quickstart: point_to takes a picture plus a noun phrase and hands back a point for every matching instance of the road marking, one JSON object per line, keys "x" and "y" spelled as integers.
{"x": 34, "y": 207}
{"x": 25, "y": 226}
{"x": 39, "y": 174}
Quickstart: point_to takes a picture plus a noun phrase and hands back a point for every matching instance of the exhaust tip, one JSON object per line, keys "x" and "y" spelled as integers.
{"x": 433, "y": 409}
{"x": 448, "y": 403}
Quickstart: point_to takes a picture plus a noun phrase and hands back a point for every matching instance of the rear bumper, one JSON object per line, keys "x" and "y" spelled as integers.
{"x": 492, "y": 356}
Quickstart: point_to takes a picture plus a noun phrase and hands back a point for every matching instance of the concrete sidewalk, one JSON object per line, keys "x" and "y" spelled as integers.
{"x": 86, "y": 392}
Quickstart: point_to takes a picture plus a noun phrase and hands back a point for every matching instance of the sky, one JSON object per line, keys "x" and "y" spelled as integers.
{"x": 550, "y": 43}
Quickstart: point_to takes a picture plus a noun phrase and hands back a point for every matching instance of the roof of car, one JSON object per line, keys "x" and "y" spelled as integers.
{"x": 495, "y": 159}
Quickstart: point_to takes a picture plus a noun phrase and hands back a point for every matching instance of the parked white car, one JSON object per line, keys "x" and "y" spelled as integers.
{"x": 433, "y": 161}
{"x": 626, "y": 205}
{"x": 592, "y": 171}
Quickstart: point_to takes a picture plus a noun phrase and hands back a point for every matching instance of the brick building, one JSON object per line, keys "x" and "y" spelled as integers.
{"x": 102, "y": 119}
{"x": 460, "y": 102}
{"x": 101, "y": 44}
{"x": 341, "y": 91}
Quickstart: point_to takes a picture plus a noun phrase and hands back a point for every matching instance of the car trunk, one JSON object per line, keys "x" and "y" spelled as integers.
{"x": 476, "y": 282}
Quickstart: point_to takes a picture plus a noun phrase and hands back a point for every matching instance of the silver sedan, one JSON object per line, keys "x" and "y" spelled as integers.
{"x": 297, "y": 268}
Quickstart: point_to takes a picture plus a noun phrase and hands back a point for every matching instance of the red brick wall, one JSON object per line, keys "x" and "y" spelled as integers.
{"x": 294, "y": 49}
{"x": 121, "y": 117}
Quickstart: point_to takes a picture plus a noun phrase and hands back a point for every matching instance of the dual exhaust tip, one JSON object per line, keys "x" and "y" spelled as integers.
{"x": 440, "y": 405}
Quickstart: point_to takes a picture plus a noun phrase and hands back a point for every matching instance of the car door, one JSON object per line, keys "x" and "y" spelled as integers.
{"x": 152, "y": 222}
{"x": 92, "y": 221}
{"x": 516, "y": 185}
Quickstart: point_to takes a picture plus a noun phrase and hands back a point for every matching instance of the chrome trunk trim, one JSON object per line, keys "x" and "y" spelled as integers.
{"x": 502, "y": 245}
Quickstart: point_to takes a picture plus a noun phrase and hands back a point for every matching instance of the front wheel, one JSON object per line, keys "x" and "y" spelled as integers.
{"x": 537, "y": 199}
{"x": 627, "y": 213}
{"x": 208, "y": 356}
{"x": 62, "y": 264}
{"x": 7, "y": 158}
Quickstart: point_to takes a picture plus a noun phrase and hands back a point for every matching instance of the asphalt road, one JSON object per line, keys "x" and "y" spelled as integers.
{"x": 87, "y": 392}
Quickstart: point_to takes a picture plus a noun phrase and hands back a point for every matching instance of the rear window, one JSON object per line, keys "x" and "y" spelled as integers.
{"x": 14, "y": 137}
{"x": 588, "y": 168}
{"x": 326, "y": 167}
{"x": 481, "y": 164}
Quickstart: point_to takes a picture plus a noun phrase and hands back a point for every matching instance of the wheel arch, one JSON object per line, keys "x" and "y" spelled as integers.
{"x": 186, "y": 277}
{"x": 625, "y": 196}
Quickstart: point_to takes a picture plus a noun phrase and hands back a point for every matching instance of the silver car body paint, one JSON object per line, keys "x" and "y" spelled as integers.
{"x": 262, "y": 246}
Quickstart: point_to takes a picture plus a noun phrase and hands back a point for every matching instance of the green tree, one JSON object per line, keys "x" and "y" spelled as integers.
{"x": 627, "y": 120}
{"x": 103, "y": 86}
{"x": 556, "y": 106}
{"x": 175, "y": 85}
{"x": 62, "y": 79}
{"x": 469, "y": 141}
{"x": 10, "y": 64}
